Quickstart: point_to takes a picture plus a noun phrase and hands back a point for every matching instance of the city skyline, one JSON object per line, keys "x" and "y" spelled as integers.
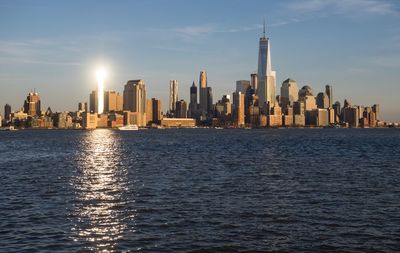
{"x": 28, "y": 61}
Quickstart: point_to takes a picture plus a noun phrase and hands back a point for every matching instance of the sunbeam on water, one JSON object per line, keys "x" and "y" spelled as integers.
{"x": 100, "y": 186}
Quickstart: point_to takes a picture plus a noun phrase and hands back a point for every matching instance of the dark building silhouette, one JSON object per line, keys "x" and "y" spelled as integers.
{"x": 181, "y": 109}
{"x": 7, "y": 112}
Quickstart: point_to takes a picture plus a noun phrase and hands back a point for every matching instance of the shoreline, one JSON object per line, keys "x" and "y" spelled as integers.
{"x": 214, "y": 128}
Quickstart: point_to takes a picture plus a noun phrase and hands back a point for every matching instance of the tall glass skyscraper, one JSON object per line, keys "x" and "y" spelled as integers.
{"x": 135, "y": 96}
{"x": 266, "y": 77}
{"x": 203, "y": 92}
{"x": 173, "y": 95}
{"x": 193, "y": 101}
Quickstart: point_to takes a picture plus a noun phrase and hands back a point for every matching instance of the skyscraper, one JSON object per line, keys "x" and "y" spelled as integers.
{"x": 329, "y": 93}
{"x": 375, "y": 109}
{"x": 266, "y": 77}
{"x": 120, "y": 102}
{"x": 149, "y": 111}
{"x": 193, "y": 101}
{"x": 203, "y": 79}
{"x": 254, "y": 81}
{"x": 82, "y": 107}
{"x": 156, "y": 104}
{"x": 181, "y": 109}
{"x": 242, "y": 85}
{"x": 209, "y": 100}
{"x": 203, "y": 91}
{"x": 112, "y": 101}
{"x": 7, "y": 112}
{"x": 173, "y": 95}
{"x": 93, "y": 102}
{"x": 323, "y": 100}
{"x": 337, "y": 111}
{"x": 32, "y": 104}
{"x": 289, "y": 92}
{"x": 239, "y": 112}
{"x": 135, "y": 96}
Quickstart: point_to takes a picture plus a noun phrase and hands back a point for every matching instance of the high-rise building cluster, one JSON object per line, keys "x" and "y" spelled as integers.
{"x": 253, "y": 104}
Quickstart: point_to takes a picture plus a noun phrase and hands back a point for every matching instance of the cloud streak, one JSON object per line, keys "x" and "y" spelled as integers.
{"x": 194, "y": 32}
{"x": 354, "y": 7}
{"x": 35, "y": 51}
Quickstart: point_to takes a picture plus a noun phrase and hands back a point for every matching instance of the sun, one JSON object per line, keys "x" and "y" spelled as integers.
{"x": 101, "y": 75}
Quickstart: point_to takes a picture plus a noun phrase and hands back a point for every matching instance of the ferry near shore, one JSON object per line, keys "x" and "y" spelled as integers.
{"x": 129, "y": 128}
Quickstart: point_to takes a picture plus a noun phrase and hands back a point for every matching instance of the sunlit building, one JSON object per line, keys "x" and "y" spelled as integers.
{"x": 203, "y": 91}
{"x": 135, "y": 96}
{"x": 323, "y": 100}
{"x": 32, "y": 104}
{"x": 266, "y": 77}
{"x": 112, "y": 101}
{"x": 319, "y": 117}
{"x": 135, "y": 118}
{"x": 89, "y": 120}
{"x": 115, "y": 120}
{"x": 309, "y": 103}
{"x": 274, "y": 116}
{"x": 289, "y": 92}
{"x": 178, "y": 122}
{"x": 239, "y": 112}
{"x": 102, "y": 120}
{"x": 64, "y": 120}
{"x": 149, "y": 111}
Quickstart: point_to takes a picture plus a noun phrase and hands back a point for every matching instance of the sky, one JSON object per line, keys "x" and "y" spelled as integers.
{"x": 55, "y": 47}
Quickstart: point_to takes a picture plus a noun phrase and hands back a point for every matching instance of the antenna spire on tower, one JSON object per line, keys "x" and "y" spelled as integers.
{"x": 264, "y": 29}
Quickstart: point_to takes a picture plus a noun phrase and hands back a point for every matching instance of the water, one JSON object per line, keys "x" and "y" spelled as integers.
{"x": 200, "y": 190}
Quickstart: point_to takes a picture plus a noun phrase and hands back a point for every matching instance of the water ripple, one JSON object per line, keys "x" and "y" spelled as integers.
{"x": 200, "y": 190}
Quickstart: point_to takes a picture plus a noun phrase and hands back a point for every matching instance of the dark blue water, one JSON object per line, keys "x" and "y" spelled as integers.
{"x": 200, "y": 190}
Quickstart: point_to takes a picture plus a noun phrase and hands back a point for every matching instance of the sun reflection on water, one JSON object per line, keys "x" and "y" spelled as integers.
{"x": 100, "y": 208}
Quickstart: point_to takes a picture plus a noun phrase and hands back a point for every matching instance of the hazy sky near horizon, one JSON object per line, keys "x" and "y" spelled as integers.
{"x": 56, "y": 46}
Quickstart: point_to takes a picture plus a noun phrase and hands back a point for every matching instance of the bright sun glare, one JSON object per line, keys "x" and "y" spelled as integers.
{"x": 101, "y": 74}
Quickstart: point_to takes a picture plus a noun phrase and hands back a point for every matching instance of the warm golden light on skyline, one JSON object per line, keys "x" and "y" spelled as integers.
{"x": 101, "y": 74}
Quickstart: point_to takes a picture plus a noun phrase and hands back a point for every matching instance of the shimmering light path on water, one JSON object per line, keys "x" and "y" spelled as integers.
{"x": 181, "y": 190}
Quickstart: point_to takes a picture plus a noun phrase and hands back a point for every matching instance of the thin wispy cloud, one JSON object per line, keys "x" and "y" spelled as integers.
{"x": 34, "y": 51}
{"x": 50, "y": 51}
{"x": 354, "y": 7}
{"x": 198, "y": 31}
{"x": 194, "y": 31}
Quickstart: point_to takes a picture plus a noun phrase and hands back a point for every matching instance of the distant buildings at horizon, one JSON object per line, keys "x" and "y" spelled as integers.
{"x": 254, "y": 103}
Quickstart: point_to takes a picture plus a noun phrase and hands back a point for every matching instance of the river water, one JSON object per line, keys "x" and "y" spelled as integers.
{"x": 200, "y": 190}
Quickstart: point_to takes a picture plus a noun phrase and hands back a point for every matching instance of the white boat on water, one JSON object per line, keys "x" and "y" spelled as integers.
{"x": 129, "y": 128}
{"x": 9, "y": 128}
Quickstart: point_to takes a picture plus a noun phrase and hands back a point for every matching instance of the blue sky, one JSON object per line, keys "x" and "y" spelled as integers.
{"x": 56, "y": 46}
